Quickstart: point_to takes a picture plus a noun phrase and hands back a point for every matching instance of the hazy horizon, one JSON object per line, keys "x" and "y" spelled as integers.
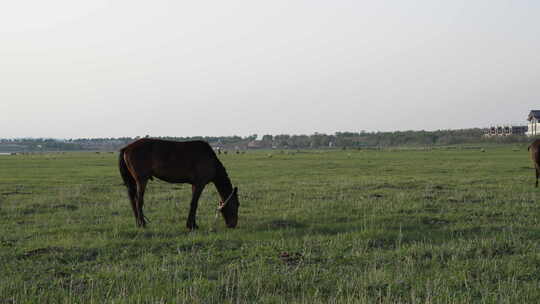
{"x": 259, "y": 136}
{"x": 98, "y": 69}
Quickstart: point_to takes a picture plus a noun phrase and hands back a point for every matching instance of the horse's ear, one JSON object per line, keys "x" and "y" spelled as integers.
{"x": 235, "y": 190}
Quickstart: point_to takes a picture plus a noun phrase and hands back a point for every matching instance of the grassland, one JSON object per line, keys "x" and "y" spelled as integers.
{"x": 412, "y": 226}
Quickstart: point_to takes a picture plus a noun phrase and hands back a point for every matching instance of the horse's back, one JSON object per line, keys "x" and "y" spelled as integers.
{"x": 190, "y": 149}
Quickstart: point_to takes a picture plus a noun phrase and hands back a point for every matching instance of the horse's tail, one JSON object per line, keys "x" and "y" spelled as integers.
{"x": 128, "y": 179}
{"x": 131, "y": 185}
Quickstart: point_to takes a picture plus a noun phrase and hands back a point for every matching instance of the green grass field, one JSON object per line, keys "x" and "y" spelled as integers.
{"x": 411, "y": 226}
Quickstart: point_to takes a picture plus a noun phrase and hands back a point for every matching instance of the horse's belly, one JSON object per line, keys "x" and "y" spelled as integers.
{"x": 173, "y": 179}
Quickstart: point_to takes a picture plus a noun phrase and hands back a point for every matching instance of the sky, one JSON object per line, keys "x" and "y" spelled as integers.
{"x": 104, "y": 68}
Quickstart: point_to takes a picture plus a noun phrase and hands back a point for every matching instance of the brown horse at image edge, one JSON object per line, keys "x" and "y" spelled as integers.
{"x": 192, "y": 162}
{"x": 534, "y": 149}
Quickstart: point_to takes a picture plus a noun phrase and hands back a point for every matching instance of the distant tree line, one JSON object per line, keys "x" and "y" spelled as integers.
{"x": 281, "y": 141}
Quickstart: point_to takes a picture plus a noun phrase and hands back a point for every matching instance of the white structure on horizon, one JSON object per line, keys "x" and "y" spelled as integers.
{"x": 533, "y": 127}
{"x": 505, "y": 130}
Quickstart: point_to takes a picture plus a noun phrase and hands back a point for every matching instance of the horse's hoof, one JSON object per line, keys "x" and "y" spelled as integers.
{"x": 192, "y": 227}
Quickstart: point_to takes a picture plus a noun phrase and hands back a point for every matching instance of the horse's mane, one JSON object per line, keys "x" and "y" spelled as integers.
{"x": 221, "y": 172}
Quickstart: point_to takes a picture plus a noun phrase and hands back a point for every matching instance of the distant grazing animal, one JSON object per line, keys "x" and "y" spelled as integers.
{"x": 534, "y": 149}
{"x": 192, "y": 162}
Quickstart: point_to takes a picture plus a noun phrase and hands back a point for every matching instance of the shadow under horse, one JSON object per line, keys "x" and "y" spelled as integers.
{"x": 192, "y": 162}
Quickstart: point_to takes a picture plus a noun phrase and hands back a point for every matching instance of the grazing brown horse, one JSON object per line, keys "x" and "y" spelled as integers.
{"x": 534, "y": 149}
{"x": 192, "y": 162}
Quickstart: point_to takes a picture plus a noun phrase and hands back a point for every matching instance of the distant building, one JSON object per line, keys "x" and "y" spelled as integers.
{"x": 255, "y": 144}
{"x": 531, "y": 129}
{"x": 534, "y": 123}
{"x": 505, "y": 130}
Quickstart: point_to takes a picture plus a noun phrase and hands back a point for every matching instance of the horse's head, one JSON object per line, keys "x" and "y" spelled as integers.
{"x": 229, "y": 209}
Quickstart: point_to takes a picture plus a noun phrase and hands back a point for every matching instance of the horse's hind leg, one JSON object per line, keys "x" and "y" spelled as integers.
{"x": 196, "y": 194}
{"x": 132, "y": 194}
{"x": 141, "y": 187}
{"x": 537, "y": 173}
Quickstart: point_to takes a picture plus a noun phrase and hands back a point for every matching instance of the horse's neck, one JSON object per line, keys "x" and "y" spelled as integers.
{"x": 223, "y": 186}
{"x": 222, "y": 181}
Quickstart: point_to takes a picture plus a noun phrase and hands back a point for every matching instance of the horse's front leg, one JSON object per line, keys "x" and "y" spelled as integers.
{"x": 196, "y": 194}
